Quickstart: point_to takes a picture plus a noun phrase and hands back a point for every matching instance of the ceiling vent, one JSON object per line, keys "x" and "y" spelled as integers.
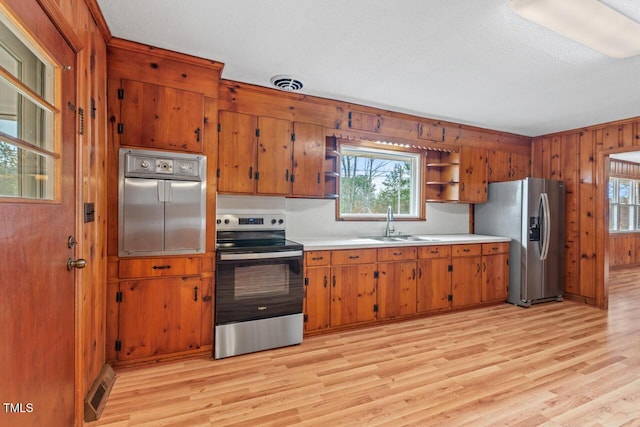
{"x": 286, "y": 83}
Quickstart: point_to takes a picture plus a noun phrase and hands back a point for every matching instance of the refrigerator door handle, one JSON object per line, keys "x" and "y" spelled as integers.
{"x": 546, "y": 224}
{"x": 161, "y": 191}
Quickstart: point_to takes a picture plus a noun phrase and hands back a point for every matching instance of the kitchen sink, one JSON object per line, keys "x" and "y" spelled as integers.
{"x": 388, "y": 238}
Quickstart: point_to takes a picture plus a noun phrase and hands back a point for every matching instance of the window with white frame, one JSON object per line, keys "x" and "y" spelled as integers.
{"x": 624, "y": 204}
{"x": 27, "y": 115}
{"x": 373, "y": 179}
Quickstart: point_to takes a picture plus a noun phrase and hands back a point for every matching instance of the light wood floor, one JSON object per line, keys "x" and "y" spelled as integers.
{"x": 554, "y": 364}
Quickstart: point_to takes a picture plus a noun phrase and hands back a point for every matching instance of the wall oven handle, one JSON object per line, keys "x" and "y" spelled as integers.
{"x": 259, "y": 255}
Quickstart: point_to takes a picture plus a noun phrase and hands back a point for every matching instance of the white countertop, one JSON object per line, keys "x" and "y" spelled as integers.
{"x": 353, "y": 242}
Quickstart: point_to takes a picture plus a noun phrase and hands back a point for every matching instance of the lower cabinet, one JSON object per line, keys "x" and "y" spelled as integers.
{"x": 495, "y": 271}
{"x": 345, "y": 287}
{"x": 159, "y": 307}
{"x": 434, "y": 278}
{"x": 466, "y": 275}
{"x": 159, "y": 316}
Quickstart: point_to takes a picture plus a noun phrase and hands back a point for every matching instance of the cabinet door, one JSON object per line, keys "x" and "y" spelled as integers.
{"x": 275, "y": 149}
{"x": 520, "y": 166}
{"x": 308, "y": 160}
{"x": 353, "y": 294}
{"x": 237, "y": 144}
{"x": 159, "y": 316}
{"x": 155, "y": 116}
{"x": 495, "y": 277}
{"x": 396, "y": 289}
{"x": 473, "y": 174}
{"x": 466, "y": 281}
{"x": 317, "y": 298}
{"x": 499, "y": 166}
{"x": 434, "y": 284}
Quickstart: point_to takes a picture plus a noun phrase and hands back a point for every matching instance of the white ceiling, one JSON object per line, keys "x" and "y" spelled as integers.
{"x": 466, "y": 61}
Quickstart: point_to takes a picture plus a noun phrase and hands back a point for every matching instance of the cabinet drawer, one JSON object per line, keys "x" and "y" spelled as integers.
{"x": 353, "y": 256}
{"x": 495, "y": 248}
{"x": 158, "y": 267}
{"x": 435, "y": 251}
{"x": 466, "y": 250}
{"x": 313, "y": 258}
{"x": 394, "y": 254}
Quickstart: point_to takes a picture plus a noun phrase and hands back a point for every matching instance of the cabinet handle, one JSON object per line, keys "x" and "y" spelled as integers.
{"x": 286, "y": 175}
{"x": 477, "y": 268}
{"x": 325, "y": 281}
{"x": 466, "y": 250}
{"x": 334, "y": 281}
{"x": 197, "y": 132}
{"x": 435, "y": 252}
{"x": 250, "y": 172}
{"x": 318, "y": 177}
{"x": 419, "y": 273}
{"x": 354, "y": 256}
{"x": 317, "y": 258}
{"x": 484, "y": 266}
{"x": 161, "y": 267}
{"x": 397, "y": 253}
{"x": 195, "y": 293}
{"x": 413, "y": 276}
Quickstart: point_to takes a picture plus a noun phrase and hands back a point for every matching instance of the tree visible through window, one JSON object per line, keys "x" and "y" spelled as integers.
{"x": 371, "y": 180}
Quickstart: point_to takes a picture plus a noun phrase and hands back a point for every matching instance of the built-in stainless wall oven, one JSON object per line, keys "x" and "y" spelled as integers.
{"x": 259, "y": 285}
{"x": 161, "y": 203}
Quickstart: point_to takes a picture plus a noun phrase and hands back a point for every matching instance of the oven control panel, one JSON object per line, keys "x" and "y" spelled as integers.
{"x": 250, "y": 221}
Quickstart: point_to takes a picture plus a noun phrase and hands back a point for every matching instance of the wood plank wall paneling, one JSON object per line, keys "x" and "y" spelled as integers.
{"x": 576, "y": 162}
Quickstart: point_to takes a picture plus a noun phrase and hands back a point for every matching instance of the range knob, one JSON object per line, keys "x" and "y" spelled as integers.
{"x": 273, "y": 221}
{"x": 218, "y": 221}
{"x": 226, "y": 221}
{"x": 145, "y": 164}
{"x": 280, "y": 221}
{"x": 183, "y": 167}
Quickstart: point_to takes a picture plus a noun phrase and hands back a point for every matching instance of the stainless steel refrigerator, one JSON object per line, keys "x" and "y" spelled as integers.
{"x": 531, "y": 212}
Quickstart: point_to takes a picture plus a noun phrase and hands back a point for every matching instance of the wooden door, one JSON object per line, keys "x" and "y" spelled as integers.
{"x": 499, "y": 165}
{"x": 159, "y": 316}
{"x": 308, "y": 160}
{"x": 466, "y": 281}
{"x": 473, "y": 174}
{"x": 396, "y": 289}
{"x": 433, "y": 284}
{"x": 495, "y": 277}
{"x": 353, "y": 294}
{"x": 37, "y": 302}
{"x": 237, "y": 144}
{"x": 156, "y": 116}
{"x": 275, "y": 149}
{"x": 317, "y": 298}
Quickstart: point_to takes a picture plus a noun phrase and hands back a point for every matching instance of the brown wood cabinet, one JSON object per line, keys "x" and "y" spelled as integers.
{"x": 507, "y": 165}
{"x": 154, "y": 116}
{"x": 158, "y": 316}
{"x": 397, "y": 274}
{"x": 434, "y": 278}
{"x": 473, "y": 175}
{"x": 624, "y": 249}
{"x": 495, "y": 271}
{"x": 263, "y": 155}
{"x": 466, "y": 277}
{"x": 367, "y": 285}
{"x": 317, "y": 296}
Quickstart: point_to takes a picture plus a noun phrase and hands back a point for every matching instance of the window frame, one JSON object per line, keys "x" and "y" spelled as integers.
{"x": 392, "y": 149}
{"x": 37, "y": 115}
{"x": 616, "y": 207}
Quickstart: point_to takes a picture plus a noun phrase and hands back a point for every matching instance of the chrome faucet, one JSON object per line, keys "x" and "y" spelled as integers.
{"x": 390, "y": 228}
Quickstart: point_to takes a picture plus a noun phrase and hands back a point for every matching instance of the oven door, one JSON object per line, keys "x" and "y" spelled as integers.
{"x": 252, "y": 286}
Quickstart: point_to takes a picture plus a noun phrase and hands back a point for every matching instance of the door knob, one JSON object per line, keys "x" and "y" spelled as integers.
{"x": 76, "y": 263}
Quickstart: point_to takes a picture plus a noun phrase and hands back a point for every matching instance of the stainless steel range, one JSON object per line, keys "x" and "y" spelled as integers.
{"x": 259, "y": 285}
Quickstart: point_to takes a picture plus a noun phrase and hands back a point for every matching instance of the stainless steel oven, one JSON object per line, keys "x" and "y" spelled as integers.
{"x": 259, "y": 285}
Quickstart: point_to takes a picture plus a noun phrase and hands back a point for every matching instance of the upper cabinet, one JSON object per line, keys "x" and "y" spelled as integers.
{"x": 264, "y": 155}
{"x": 154, "y": 116}
{"x": 473, "y": 175}
{"x": 507, "y": 165}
